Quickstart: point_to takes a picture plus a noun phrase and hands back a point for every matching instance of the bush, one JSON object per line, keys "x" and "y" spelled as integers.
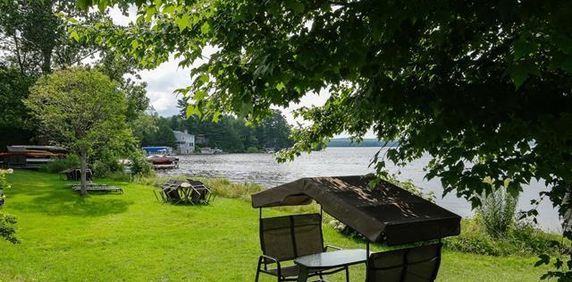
{"x": 252, "y": 149}
{"x": 140, "y": 167}
{"x": 106, "y": 163}
{"x": 225, "y": 188}
{"x": 7, "y": 230}
{"x": 7, "y": 222}
{"x": 56, "y": 166}
{"x": 497, "y": 211}
{"x": 522, "y": 239}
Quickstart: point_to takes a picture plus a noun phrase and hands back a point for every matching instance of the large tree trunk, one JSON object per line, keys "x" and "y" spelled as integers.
{"x": 47, "y": 61}
{"x": 83, "y": 169}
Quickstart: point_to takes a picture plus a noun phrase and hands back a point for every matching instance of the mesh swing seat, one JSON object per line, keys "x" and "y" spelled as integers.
{"x": 418, "y": 264}
{"x": 285, "y": 238}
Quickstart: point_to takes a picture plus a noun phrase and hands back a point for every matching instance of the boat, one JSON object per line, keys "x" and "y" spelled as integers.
{"x": 210, "y": 151}
{"x": 30, "y": 156}
{"x": 159, "y": 161}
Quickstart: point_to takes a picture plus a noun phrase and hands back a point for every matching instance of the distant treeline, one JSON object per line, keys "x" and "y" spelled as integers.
{"x": 230, "y": 134}
{"x": 367, "y": 142}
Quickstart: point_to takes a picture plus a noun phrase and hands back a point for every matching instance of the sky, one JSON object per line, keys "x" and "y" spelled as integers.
{"x": 163, "y": 80}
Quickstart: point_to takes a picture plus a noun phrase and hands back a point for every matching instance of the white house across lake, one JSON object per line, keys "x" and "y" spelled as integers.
{"x": 185, "y": 142}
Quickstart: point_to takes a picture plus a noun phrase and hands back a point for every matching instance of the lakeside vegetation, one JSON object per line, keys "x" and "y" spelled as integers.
{"x": 134, "y": 237}
{"x": 229, "y": 133}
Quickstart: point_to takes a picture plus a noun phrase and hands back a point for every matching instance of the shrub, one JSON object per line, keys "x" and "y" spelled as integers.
{"x": 7, "y": 230}
{"x": 225, "y": 188}
{"x": 252, "y": 149}
{"x": 56, "y": 166}
{"x": 140, "y": 167}
{"x": 521, "y": 239}
{"x": 498, "y": 212}
{"x": 7, "y": 222}
{"x": 106, "y": 163}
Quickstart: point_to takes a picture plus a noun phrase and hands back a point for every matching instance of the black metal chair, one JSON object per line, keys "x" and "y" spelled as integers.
{"x": 201, "y": 193}
{"x": 418, "y": 264}
{"x": 284, "y": 238}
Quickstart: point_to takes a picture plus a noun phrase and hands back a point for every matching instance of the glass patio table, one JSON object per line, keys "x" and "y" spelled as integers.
{"x": 329, "y": 260}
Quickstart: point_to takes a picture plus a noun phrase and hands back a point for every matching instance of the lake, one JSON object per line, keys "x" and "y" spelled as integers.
{"x": 263, "y": 169}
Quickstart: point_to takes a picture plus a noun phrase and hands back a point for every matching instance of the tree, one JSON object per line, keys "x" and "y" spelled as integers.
{"x": 274, "y": 132}
{"x": 81, "y": 109}
{"x": 16, "y": 124}
{"x": 159, "y": 135}
{"x": 34, "y": 38}
{"x": 486, "y": 83}
{"x": 34, "y": 41}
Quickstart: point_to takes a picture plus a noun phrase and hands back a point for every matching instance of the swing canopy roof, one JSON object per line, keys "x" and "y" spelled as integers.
{"x": 379, "y": 210}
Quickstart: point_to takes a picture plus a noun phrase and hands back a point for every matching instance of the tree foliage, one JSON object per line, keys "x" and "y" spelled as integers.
{"x": 484, "y": 87}
{"x": 160, "y": 134}
{"x": 232, "y": 134}
{"x": 81, "y": 109}
{"x": 16, "y": 124}
{"x": 34, "y": 39}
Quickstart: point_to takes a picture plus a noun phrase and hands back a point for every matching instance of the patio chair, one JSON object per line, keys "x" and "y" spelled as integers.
{"x": 418, "y": 264}
{"x": 284, "y": 238}
{"x": 160, "y": 195}
{"x": 201, "y": 193}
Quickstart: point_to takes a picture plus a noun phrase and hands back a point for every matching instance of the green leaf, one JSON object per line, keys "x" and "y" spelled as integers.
{"x": 519, "y": 74}
{"x": 522, "y": 48}
{"x": 183, "y": 22}
{"x": 205, "y": 28}
{"x": 193, "y": 110}
{"x": 101, "y": 5}
{"x": 280, "y": 86}
{"x": 199, "y": 95}
{"x": 295, "y": 6}
{"x": 84, "y": 4}
{"x": 135, "y": 44}
{"x": 168, "y": 10}
{"x": 74, "y": 35}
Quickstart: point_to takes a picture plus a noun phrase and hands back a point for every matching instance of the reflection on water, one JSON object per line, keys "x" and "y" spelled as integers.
{"x": 264, "y": 170}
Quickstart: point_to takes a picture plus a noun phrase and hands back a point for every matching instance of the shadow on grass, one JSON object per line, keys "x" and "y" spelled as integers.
{"x": 49, "y": 194}
{"x": 68, "y": 203}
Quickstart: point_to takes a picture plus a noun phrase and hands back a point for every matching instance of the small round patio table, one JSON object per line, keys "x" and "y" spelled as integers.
{"x": 328, "y": 260}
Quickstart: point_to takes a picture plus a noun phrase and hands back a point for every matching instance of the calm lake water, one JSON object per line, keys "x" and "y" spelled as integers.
{"x": 264, "y": 170}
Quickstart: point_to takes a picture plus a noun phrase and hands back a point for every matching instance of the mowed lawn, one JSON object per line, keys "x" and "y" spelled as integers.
{"x": 132, "y": 237}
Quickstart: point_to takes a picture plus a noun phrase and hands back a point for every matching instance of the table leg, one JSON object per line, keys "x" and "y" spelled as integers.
{"x": 302, "y": 273}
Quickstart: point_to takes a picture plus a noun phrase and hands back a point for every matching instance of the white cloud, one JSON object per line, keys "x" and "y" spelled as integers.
{"x": 162, "y": 83}
{"x": 119, "y": 18}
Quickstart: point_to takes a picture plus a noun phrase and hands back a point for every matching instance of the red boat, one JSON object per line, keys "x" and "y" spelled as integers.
{"x": 163, "y": 161}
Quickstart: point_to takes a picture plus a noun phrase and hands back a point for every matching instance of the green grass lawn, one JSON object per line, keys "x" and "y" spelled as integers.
{"x": 132, "y": 237}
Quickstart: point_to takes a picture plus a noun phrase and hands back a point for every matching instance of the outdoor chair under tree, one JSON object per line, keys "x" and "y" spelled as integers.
{"x": 417, "y": 264}
{"x": 284, "y": 238}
